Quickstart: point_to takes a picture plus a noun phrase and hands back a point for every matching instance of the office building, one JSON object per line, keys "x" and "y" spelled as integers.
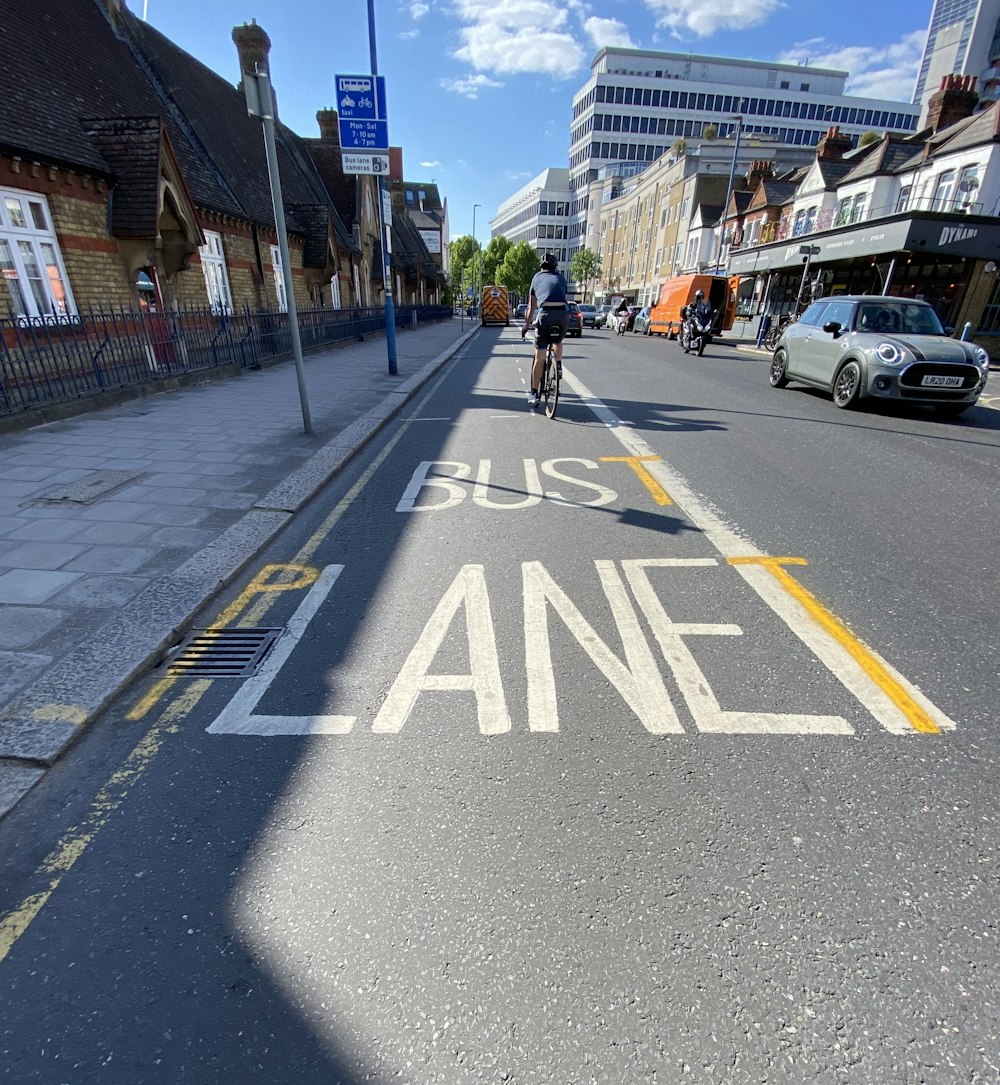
{"x": 963, "y": 39}
{"x": 538, "y": 213}
{"x": 638, "y": 103}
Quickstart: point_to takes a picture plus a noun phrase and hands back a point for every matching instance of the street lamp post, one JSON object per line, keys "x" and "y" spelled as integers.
{"x": 729, "y": 190}
{"x": 260, "y": 104}
{"x": 476, "y": 264}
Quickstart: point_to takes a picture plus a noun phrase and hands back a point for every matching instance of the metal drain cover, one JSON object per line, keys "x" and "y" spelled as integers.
{"x": 222, "y": 653}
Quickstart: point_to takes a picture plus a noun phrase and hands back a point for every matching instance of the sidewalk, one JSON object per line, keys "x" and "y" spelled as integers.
{"x": 117, "y": 526}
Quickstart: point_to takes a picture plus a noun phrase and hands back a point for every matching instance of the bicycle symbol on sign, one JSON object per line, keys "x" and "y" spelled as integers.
{"x": 365, "y": 103}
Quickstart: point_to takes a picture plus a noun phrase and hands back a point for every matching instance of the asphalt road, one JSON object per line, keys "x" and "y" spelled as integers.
{"x": 654, "y": 743}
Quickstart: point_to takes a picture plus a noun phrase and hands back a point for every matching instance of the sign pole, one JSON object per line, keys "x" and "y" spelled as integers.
{"x": 390, "y": 310}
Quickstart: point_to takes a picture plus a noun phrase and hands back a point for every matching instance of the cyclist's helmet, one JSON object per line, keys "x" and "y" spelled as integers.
{"x": 549, "y": 262}
{"x": 698, "y": 294}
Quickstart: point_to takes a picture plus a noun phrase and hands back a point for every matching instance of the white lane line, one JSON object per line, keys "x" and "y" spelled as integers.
{"x": 237, "y": 718}
{"x": 414, "y": 418}
{"x": 860, "y": 680}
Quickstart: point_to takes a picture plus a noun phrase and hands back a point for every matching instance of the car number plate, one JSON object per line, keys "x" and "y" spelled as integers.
{"x": 933, "y": 381}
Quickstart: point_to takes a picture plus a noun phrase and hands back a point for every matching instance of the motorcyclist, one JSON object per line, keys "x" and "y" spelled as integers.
{"x": 701, "y": 309}
{"x": 621, "y": 314}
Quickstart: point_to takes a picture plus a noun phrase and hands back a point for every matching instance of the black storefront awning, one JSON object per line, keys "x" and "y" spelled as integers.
{"x": 969, "y": 236}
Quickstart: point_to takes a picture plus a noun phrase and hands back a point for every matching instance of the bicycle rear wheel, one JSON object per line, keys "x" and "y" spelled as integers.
{"x": 550, "y": 386}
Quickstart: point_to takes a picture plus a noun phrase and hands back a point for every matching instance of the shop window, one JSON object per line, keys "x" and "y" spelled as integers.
{"x": 213, "y": 263}
{"x": 30, "y": 259}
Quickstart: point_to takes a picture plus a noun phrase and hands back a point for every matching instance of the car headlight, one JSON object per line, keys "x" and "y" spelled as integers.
{"x": 888, "y": 353}
{"x": 982, "y": 359}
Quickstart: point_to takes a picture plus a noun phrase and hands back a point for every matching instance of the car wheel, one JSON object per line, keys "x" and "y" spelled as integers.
{"x": 847, "y": 386}
{"x": 950, "y": 410}
{"x": 776, "y": 377}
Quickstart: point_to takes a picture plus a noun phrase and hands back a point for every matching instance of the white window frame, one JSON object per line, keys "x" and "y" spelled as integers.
{"x": 213, "y": 264}
{"x": 335, "y": 291}
{"x": 945, "y": 187}
{"x": 279, "y": 279}
{"x": 33, "y": 297}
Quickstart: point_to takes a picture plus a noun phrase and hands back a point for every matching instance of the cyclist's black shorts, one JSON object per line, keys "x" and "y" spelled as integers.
{"x": 551, "y": 327}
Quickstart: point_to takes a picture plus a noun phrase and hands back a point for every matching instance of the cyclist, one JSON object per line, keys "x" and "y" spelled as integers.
{"x": 548, "y": 298}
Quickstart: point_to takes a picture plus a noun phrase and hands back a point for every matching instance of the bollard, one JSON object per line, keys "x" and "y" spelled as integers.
{"x": 966, "y": 330}
{"x": 413, "y": 320}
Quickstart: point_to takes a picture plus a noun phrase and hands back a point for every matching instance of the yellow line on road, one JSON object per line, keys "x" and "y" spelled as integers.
{"x": 917, "y": 717}
{"x": 57, "y": 864}
{"x": 258, "y": 597}
{"x": 659, "y": 494}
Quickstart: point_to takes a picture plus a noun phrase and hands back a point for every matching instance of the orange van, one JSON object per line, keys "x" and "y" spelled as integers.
{"x": 496, "y": 305}
{"x": 665, "y": 315}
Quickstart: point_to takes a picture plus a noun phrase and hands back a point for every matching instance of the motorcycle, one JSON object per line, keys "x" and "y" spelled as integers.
{"x": 621, "y": 323}
{"x": 696, "y": 332}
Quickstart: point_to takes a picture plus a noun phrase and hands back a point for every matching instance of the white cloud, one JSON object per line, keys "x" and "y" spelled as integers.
{"x": 430, "y": 165}
{"x": 608, "y": 32}
{"x": 703, "y": 18}
{"x": 419, "y": 10}
{"x": 873, "y": 72}
{"x": 517, "y": 36}
{"x": 408, "y": 34}
{"x": 470, "y": 87}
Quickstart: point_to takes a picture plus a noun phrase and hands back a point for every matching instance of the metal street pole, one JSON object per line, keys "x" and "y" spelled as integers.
{"x": 729, "y": 191}
{"x": 390, "y": 309}
{"x": 260, "y": 103}
{"x": 476, "y": 287}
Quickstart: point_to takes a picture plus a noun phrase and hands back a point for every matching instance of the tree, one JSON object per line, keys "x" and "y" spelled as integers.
{"x": 585, "y": 267}
{"x": 461, "y": 251}
{"x": 868, "y": 137}
{"x": 496, "y": 250}
{"x": 678, "y": 147}
{"x": 710, "y": 131}
{"x": 518, "y": 268}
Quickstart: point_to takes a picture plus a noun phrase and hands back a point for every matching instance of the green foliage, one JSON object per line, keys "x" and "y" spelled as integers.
{"x": 496, "y": 250}
{"x": 710, "y": 131}
{"x": 585, "y": 267}
{"x": 678, "y": 147}
{"x": 518, "y": 268}
{"x": 868, "y": 137}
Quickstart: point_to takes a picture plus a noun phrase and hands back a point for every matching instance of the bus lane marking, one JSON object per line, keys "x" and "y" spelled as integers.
{"x": 897, "y": 705}
{"x": 637, "y": 463}
{"x": 238, "y": 717}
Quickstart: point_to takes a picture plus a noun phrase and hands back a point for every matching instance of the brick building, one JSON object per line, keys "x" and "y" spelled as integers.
{"x": 131, "y": 174}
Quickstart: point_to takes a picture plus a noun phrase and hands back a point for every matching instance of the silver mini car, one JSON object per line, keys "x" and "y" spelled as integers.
{"x": 884, "y": 347}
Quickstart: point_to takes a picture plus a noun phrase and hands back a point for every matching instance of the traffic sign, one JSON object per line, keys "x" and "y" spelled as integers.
{"x": 364, "y": 135}
{"x": 361, "y": 97}
{"x": 365, "y": 163}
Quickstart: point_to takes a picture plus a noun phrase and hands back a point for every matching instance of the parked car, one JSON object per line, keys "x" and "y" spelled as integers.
{"x": 640, "y": 322}
{"x": 575, "y": 320}
{"x": 601, "y": 316}
{"x": 882, "y": 347}
{"x": 521, "y": 312}
{"x": 589, "y": 315}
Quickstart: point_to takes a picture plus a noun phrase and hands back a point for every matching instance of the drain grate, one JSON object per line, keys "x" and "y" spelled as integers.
{"x": 223, "y": 653}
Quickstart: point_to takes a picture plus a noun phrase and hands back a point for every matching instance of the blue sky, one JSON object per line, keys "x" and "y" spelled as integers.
{"x": 480, "y": 91}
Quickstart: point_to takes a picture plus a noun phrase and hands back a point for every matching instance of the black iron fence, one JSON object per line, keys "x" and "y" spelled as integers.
{"x": 44, "y": 362}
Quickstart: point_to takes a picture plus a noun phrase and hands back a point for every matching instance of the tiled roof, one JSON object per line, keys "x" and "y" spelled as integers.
{"x": 215, "y": 114}
{"x": 976, "y": 130}
{"x": 884, "y": 157}
{"x": 131, "y": 146}
{"x": 833, "y": 171}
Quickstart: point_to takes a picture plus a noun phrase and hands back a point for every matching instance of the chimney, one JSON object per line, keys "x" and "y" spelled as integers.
{"x": 956, "y": 100}
{"x": 328, "y": 125}
{"x": 254, "y": 47}
{"x": 833, "y": 146}
{"x": 760, "y": 170}
{"x": 396, "y": 164}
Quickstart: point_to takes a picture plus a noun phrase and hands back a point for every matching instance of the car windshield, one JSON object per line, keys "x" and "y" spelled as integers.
{"x": 589, "y": 308}
{"x": 898, "y": 319}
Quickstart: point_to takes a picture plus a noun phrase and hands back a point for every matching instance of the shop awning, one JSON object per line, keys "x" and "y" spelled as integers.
{"x": 953, "y": 235}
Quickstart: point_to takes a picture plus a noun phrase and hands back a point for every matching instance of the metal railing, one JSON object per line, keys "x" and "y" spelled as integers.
{"x": 45, "y": 361}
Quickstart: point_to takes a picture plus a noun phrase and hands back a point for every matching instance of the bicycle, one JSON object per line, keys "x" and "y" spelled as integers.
{"x": 776, "y": 331}
{"x": 548, "y": 386}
